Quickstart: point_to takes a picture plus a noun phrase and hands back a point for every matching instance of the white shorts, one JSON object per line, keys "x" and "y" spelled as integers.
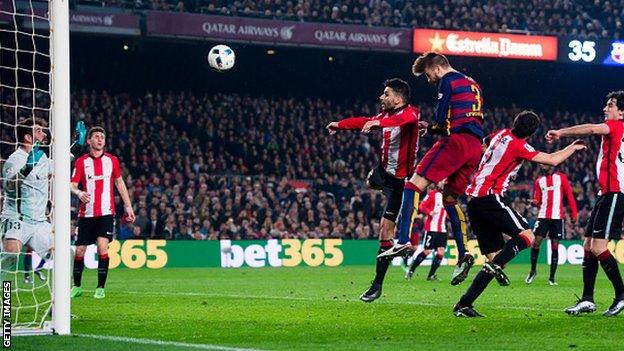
{"x": 36, "y": 235}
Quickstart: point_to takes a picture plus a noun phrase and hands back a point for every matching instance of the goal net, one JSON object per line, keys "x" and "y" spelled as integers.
{"x": 34, "y": 90}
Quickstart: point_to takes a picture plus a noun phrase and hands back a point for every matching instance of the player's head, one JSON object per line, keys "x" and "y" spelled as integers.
{"x": 525, "y": 124}
{"x": 614, "y": 109}
{"x": 433, "y": 65}
{"x": 396, "y": 93}
{"x": 547, "y": 169}
{"x": 30, "y": 130}
{"x": 96, "y": 138}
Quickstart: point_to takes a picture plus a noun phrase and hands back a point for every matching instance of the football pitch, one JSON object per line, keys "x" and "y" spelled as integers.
{"x": 318, "y": 309}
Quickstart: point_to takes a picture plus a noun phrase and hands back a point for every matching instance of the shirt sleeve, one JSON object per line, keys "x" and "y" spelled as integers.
{"x": 614, "y": 126}
{"x": 116, "y": 168}
{"x": 425, "y": 206}
{"x": 78, "y": 172}
{"x": 356, "y": 122}
{"x": 408, "y": 115}
{"x": 525, "y": 151}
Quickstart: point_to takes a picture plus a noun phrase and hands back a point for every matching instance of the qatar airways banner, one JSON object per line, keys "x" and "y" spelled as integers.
{"x": 187, "y": 25}
{"x": 504, "y": 46}
{"x": 94, "y": 22}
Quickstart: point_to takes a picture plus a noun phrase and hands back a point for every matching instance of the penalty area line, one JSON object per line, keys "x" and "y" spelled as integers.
{"x": 163, "y": 342}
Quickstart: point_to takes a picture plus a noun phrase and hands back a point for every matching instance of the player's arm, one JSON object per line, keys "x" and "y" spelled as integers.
{"x": 405, "y": 117}
{"x": 426, "y": 205}
{"x": 350, "y": 123}
{"x": 123, "y": 191}
{"x": 558, "y": 157}
{"x": 577, "y": 131}
{"x": 13, "y": 177}
{"x": 440, "y": 123}
{"x": 537, "y": 193}
{"x": 567, "y": 189}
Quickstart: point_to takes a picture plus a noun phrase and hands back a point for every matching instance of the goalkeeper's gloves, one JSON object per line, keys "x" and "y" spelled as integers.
{"x": 81, "y": 133}
{"x": 34, "y": 156}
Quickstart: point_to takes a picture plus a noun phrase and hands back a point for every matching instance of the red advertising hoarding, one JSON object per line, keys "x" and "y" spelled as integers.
{"x": 504, "y": 46}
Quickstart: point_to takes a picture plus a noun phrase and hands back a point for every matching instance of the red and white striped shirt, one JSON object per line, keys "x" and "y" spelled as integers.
{"x": 500, "y": 162}
{"x": 96, "y": 177}
{"x": 433, "y": 208}
{"x": 610, "y": 164}
{"x": 400, "y": 138}
{"x": 549, "y": 191}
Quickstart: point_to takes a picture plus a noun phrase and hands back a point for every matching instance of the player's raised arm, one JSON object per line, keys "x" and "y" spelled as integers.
{"x": 577, "y": 131}
{"x": 557, "y": 157}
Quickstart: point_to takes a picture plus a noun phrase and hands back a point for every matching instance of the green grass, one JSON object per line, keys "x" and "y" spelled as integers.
{"x": 318, "y": 308}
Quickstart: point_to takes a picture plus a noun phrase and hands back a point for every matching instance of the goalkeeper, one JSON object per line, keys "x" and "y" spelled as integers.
{"x": 25, "y": 188}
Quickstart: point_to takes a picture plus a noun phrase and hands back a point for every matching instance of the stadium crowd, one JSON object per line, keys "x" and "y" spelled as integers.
{"x": 599, "y": 18}
{"x": 194, "y": 173}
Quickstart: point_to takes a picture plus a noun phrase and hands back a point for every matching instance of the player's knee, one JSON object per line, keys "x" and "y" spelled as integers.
{"x": 421, "y": 182}
{"x": 440, "y": 251}
{"x": 80, "y": 251}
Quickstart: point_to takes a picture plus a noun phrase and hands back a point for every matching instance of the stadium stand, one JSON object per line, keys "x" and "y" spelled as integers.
{"x": 585, "y": 19}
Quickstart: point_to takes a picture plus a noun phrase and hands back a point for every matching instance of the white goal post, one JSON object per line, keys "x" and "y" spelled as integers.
{"x": 60, "y": 118}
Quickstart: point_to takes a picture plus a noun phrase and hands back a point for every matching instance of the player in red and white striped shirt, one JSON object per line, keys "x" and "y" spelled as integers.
{"x": 399, "y": 124}
{"x": 549, "y": 191}
{"x": 92, "y": 181}
{"x": 605, "y": 222}
{"x": 489, "y": 216}
{"x": 435, "y": 236}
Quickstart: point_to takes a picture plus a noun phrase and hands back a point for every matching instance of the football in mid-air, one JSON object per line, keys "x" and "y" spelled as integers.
{"x": 221, "y": 57}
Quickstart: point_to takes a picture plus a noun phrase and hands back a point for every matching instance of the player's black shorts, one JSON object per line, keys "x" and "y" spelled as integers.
{"x": 392, "y": 187}
{"x": 605, "y": 221}
{"x": 554, "y": 228}
{"x": 90, "y": 228}
{"x": 433, "y": 240}
{"x": 490, "y": 218}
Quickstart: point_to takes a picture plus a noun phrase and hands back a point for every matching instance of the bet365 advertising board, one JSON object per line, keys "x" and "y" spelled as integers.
{"x": 156, "y": 254}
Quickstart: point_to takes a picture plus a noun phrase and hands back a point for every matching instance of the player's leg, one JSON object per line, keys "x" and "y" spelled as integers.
{"x": 602, "y": 233}
{"x": 540, "y": 229}
{"x": 27, "y": 265}
{"x": 467, "y": 153}
{"x": 41, "y": 243}
{"x": 427, "y": 246}
{"x": 556, "y": 233}
{"x": 437, "y": 259}
{"x": 104, "y": 228}
{"x": 12, "y": 248}
{"x": 435, "y": 166}
{"x": 16, "y": 233}
{"x": 590, "y": 262}
{"x": 85, "y": 237}
{"x": 103, "y": 261}
{"x": 490, "y": 242}
{"x": 386, "y": 233}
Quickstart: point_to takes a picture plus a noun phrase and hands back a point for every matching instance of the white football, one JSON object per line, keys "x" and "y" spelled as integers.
{"x": 221, "y": 57}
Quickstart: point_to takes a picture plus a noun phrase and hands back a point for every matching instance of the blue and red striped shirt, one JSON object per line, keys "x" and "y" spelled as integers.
{"x": 460, "y": 105}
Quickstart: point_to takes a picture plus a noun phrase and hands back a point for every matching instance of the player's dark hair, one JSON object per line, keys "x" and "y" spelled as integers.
{"x": 399, "y": 86}
{"x": 96, "y": 129}
{"x": 525, "y": 124}
{"x": 619, "y": 99}
{"x": 427, "y": 60}
{"x": 25, "y": 127}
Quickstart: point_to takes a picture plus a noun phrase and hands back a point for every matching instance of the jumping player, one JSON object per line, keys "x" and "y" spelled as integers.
{"x": 399, "y": 125}
{"x": 455, "y": 156}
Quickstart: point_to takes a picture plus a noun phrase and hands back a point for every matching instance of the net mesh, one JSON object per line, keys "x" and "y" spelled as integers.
{"x": 25, "y": 71}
